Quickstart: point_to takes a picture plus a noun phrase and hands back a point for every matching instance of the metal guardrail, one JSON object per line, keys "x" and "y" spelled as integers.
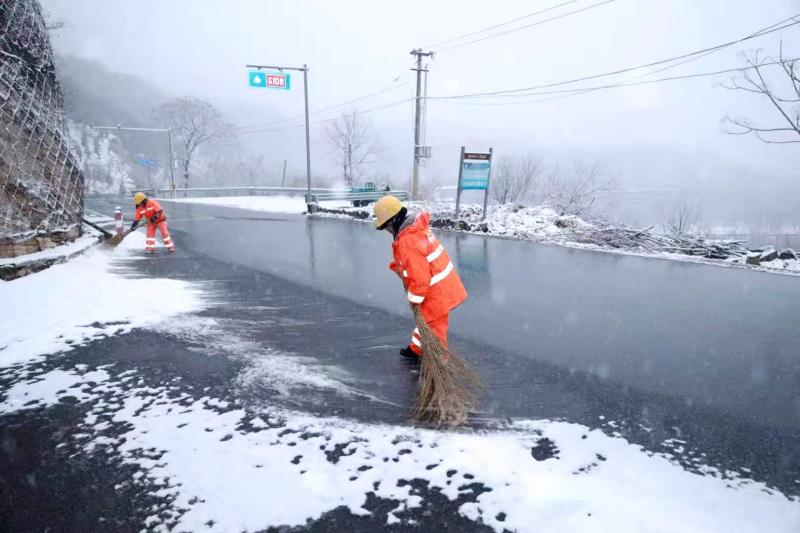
{"x": 316, "y": 196}
{"x": 206, "y": 192}
{"x": 358, "y": 198}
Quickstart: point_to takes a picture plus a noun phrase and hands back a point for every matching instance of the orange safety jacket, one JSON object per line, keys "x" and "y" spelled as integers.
{"x": 150, "y": 208}
{"x": 426, "y": 269}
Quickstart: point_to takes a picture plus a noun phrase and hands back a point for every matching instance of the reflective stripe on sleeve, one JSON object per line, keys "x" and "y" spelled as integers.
{"x": 436, "y": 253}
{"x": 443, "y": 274}
{"x": 405, "y": 273}
{"x": 414, "y": 299}
{"x": 415, "y": 342}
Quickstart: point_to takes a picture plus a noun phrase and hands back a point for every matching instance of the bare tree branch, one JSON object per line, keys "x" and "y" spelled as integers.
{"x": 576, "y": 192}
{"x": 354, "y": 139}
{"x": 196, "y": 123}
{"x": 515, "y": 179}
{"x": 758, "y": 84}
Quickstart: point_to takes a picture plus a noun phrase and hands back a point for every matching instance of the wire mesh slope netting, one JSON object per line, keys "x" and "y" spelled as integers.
{"x": 41, "y": 183}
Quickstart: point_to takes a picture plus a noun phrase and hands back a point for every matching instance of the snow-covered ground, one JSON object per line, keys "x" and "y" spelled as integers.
{"x": 72, "y": 303}
{"x": 271, "y": 204}
{"x": 223, "y": 467}
{"x": 230, "y": 469}
{"x": 89, "y": 239}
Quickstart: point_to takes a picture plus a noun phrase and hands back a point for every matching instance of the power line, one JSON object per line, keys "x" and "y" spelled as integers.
{"x": 476, "y": 32}
{"x": 318, "y": 111}
{"x": 510, "y": 92}
{"x": 564, "y": 93}
{"x": 538, "y": 23}
{"x": 625, "y": 83}
{"x": 370, "y": 110}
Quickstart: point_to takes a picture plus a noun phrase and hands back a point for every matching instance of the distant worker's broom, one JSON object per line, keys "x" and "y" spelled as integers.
{"x": 109, "y": 239}
{"x": 447, "y": 386}
{"x": 116, "y": 239}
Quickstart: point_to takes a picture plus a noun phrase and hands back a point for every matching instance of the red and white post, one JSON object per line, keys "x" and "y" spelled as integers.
{"x": 118, "y": 220}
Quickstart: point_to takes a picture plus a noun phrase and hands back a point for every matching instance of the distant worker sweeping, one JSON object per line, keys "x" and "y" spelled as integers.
{"x": 424, "y": 266}
{"x": 150, "y": 210}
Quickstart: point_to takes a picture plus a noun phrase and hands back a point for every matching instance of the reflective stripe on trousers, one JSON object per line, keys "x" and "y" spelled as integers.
{"x": 150, "y": 242}
{"x": 439, "y": 328}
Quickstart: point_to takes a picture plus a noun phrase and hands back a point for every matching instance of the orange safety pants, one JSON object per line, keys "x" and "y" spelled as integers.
{"x": 439, "y": 328}
{"x": 150, "y": 241}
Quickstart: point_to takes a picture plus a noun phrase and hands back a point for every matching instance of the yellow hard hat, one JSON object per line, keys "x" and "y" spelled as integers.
{"x": 385, "y": 208}
{"x": 138, "y": 198}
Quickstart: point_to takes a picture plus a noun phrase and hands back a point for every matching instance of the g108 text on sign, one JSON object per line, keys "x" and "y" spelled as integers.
{"x": 269, "y": 80}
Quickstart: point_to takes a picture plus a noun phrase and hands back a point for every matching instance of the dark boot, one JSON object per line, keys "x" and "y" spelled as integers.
{"x": 409, "y": 355}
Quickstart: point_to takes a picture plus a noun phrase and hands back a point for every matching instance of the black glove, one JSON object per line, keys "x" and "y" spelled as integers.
{"x": 135, "y": 223}
{"x": 153, "y": 219}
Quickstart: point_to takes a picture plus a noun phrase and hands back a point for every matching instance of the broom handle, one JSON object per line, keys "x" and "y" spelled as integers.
{"x": 107, "y": 234}
{"x": 416, "y": 311}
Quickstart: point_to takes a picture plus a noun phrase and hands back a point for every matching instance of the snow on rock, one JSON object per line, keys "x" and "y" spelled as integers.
{"x": 71, "y": 303}
{"x": 227, "y": 469}
{"x": 90, "y": 238}
{"x": 105, "y": 164}
{"x": 774, "y": 265}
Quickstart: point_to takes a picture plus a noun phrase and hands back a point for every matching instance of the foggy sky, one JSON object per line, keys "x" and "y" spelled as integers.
{"x": 651, "y": 134}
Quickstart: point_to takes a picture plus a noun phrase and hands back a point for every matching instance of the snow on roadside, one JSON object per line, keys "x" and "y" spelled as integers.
{"x": 544, "y": 225}
{"x": 270, "y": 204}
{"x": 226, "y": 469}
{"x": 777, "y": 265}
{"x": 538, "y": 223}
{"x": 72, "y": 303}
{"x": 67, "y": 250}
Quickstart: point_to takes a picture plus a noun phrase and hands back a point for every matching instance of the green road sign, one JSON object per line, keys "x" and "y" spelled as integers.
{"x": 269, "y": 80}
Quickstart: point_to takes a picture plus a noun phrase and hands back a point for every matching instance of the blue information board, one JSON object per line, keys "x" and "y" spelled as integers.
{"x": 475, "y": 176}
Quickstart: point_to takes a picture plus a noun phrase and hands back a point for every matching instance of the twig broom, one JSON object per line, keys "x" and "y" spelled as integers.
{"x": 116, "y": 239}
{"x": 109, "y": 239}
{"x": 447, "y": 386}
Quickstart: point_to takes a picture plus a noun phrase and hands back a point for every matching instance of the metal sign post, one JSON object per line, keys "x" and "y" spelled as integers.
{"x": 168, "y": 131}
{"x": 458, "y": 186}
{"x": 147, "y": 163}
{"x": 281, "y": 80}
{"x": 474, "y": 174}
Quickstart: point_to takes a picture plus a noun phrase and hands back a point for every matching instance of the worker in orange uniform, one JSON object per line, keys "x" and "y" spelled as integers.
{"x": 150, "y": 210}
{"x": 424, "y": 266}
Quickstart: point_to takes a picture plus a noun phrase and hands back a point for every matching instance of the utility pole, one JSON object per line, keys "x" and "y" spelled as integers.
{"x": 308, "y": 139}
{"x": 417, "y": 120}
{"x": 283, "y": 176}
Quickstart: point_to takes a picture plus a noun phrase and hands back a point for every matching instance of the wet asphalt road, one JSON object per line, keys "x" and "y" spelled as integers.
{"x": 653, "y": 350}
{"x": 555, "y": 332}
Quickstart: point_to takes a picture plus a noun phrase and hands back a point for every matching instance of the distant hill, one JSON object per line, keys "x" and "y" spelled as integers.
{"x": 93, "y": 94}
